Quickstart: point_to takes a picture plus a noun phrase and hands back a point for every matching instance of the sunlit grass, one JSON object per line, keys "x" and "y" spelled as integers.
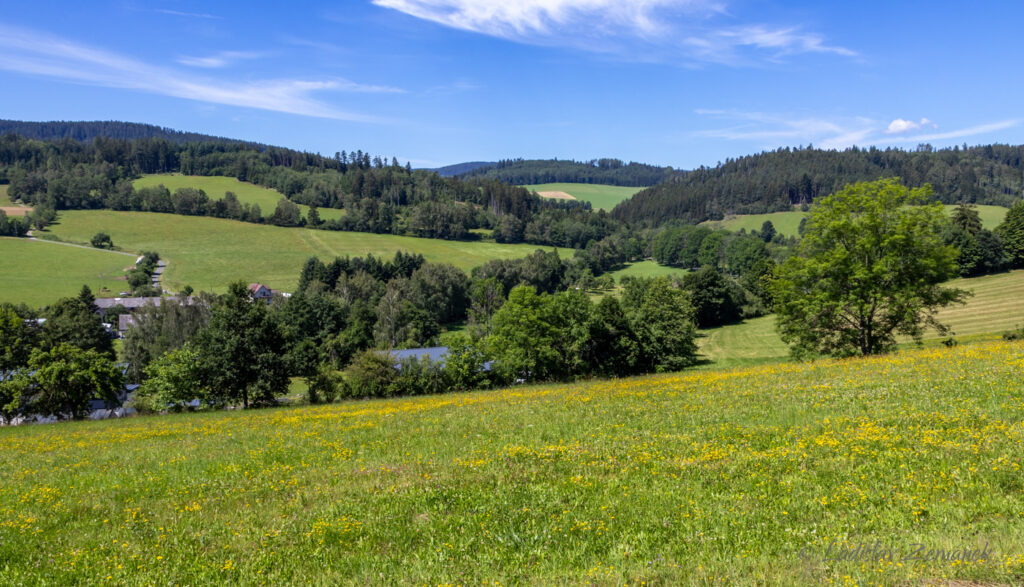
{"x": 708, "y": 477}
{"x": 209, "y": 253}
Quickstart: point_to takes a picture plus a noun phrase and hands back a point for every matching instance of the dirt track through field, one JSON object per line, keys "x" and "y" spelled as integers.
{"x": 15, "y": 210}
{"x": 556, "y": 195}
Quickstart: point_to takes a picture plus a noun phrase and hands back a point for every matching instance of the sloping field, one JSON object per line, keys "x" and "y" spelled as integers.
{"x": 9, "y": 207}
{"x": 215, "y": 187}
{"x": 645, "y": 269}
{"x": 788, "y": 223}
{"x": 601, "y": 197}
{"x": 209, "y": 253}
{"x": 39, "y": 273}
{"x": 997, "y": 306}
{"x": 765, "y": 475}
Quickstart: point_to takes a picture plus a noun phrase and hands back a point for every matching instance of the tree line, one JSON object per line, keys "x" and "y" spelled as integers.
{"x": 599, "y": 171}
{"x": 779, "y": 180}
{"x": 378, "y": 196}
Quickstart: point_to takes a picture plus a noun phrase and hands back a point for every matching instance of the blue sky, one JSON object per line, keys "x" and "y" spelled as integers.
{"x": 671, "y": 82}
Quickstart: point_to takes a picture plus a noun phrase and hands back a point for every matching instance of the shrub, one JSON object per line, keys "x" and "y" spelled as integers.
{"x": 102, "y": 240}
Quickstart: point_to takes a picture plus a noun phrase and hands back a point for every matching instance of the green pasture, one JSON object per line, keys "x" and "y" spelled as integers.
{"x": 601, "y": 197}
{"x": 39, "y": 273}
{"x": 216, "y": 186}
{"x": 645, "y": 269}
{"x": 209, "y": 253}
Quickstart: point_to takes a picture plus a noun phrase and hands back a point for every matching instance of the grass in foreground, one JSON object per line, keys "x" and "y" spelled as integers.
{"x": 715, "y": 477}
{"x": 209, "y": 253}
{"x": 216, "y": 186}
{"x": 40, "y": 273}
{"x": 601, "y": 197}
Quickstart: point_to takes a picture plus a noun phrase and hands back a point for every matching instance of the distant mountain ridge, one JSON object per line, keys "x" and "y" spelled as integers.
{"x": 596, "y": 171}
{"x": 86, "y": 131}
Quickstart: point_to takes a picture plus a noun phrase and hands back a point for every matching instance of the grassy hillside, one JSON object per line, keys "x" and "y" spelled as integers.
{"x": 997, "y": 306}
{"x": 216, "y": 186}
{"x": 645, "y": 269}
{"x": 601, "y": 197}
{"x": 745, "y": 476}
{"x": 209, "y": 253}
{"x": 787, "y": 223}
{"x": 39, "y": 273}
{"x": 991, "y": 216}
{"x": 9, "y": 207}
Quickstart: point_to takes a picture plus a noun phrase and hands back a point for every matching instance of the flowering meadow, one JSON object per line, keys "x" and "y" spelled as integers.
{"x": 889, "y": 470}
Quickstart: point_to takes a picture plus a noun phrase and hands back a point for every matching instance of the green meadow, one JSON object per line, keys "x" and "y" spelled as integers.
{"x": 788, "y": 223}
{"x": 39, "y": 273}
{"x": 216, "y": 186}
{"x": 996, "y": 306}
{"x": 4, "y": 199}
{"x": 645, "y": 269}
{"x": 209, "y": 253}
{"x": 601, "y": 197}
{"x": 771, "y": 474}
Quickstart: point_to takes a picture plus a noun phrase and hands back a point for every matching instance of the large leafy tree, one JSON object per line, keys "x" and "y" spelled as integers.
{"x": 867, "y": 269}
{"x": 662, "y": 320}
{"x": 73, "y": 321}
{"x": 63, "y": 379}
{"x": 240, "y": 354}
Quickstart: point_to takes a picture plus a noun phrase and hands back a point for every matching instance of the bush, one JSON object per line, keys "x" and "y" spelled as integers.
{"x": 102, "y": 241}
{"x": 1014, "y": 334}
{"x": 323, "y": 385}
{"x": 371, "y": 374}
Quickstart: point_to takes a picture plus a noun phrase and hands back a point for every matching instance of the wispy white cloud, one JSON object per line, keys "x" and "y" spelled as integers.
{"x": 668, "y": 29}
{"x": 772, "y": 130}
{"x": 777, "y": 129}
{"x": 966, "y": 132}
{"x": 33, "y": 53}
{"x": 222, "y": 59}
{"x": 189, "y": 14}
{"x": 727, "y": 45}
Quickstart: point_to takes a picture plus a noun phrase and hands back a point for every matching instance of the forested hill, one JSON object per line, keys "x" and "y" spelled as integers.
{"x": 111, "y": 129}
{"x": 377, "y": 195}
{"x": 599, "y": 171}
{"x": 461, "y": 168}
{"x": 778, "y": 180}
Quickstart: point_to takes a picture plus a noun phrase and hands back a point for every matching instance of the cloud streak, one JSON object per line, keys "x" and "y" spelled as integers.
{"x": 667, "y": 29}
{"x": 222, "y": 59}
{"x": 32, "y": 53}
{"x": 773, "y": 130}
{"x": 189, "y": 14}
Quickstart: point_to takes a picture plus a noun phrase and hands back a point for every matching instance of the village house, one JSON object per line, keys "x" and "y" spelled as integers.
{"x": 258, "y": 291}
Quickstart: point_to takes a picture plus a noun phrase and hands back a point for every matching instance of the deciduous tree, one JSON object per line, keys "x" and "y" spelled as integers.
{"x": 868, "y": 268}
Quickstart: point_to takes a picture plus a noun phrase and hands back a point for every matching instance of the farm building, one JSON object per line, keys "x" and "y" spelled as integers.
{"x": 258, "y": 291}
{"x": 434, "y": 354}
